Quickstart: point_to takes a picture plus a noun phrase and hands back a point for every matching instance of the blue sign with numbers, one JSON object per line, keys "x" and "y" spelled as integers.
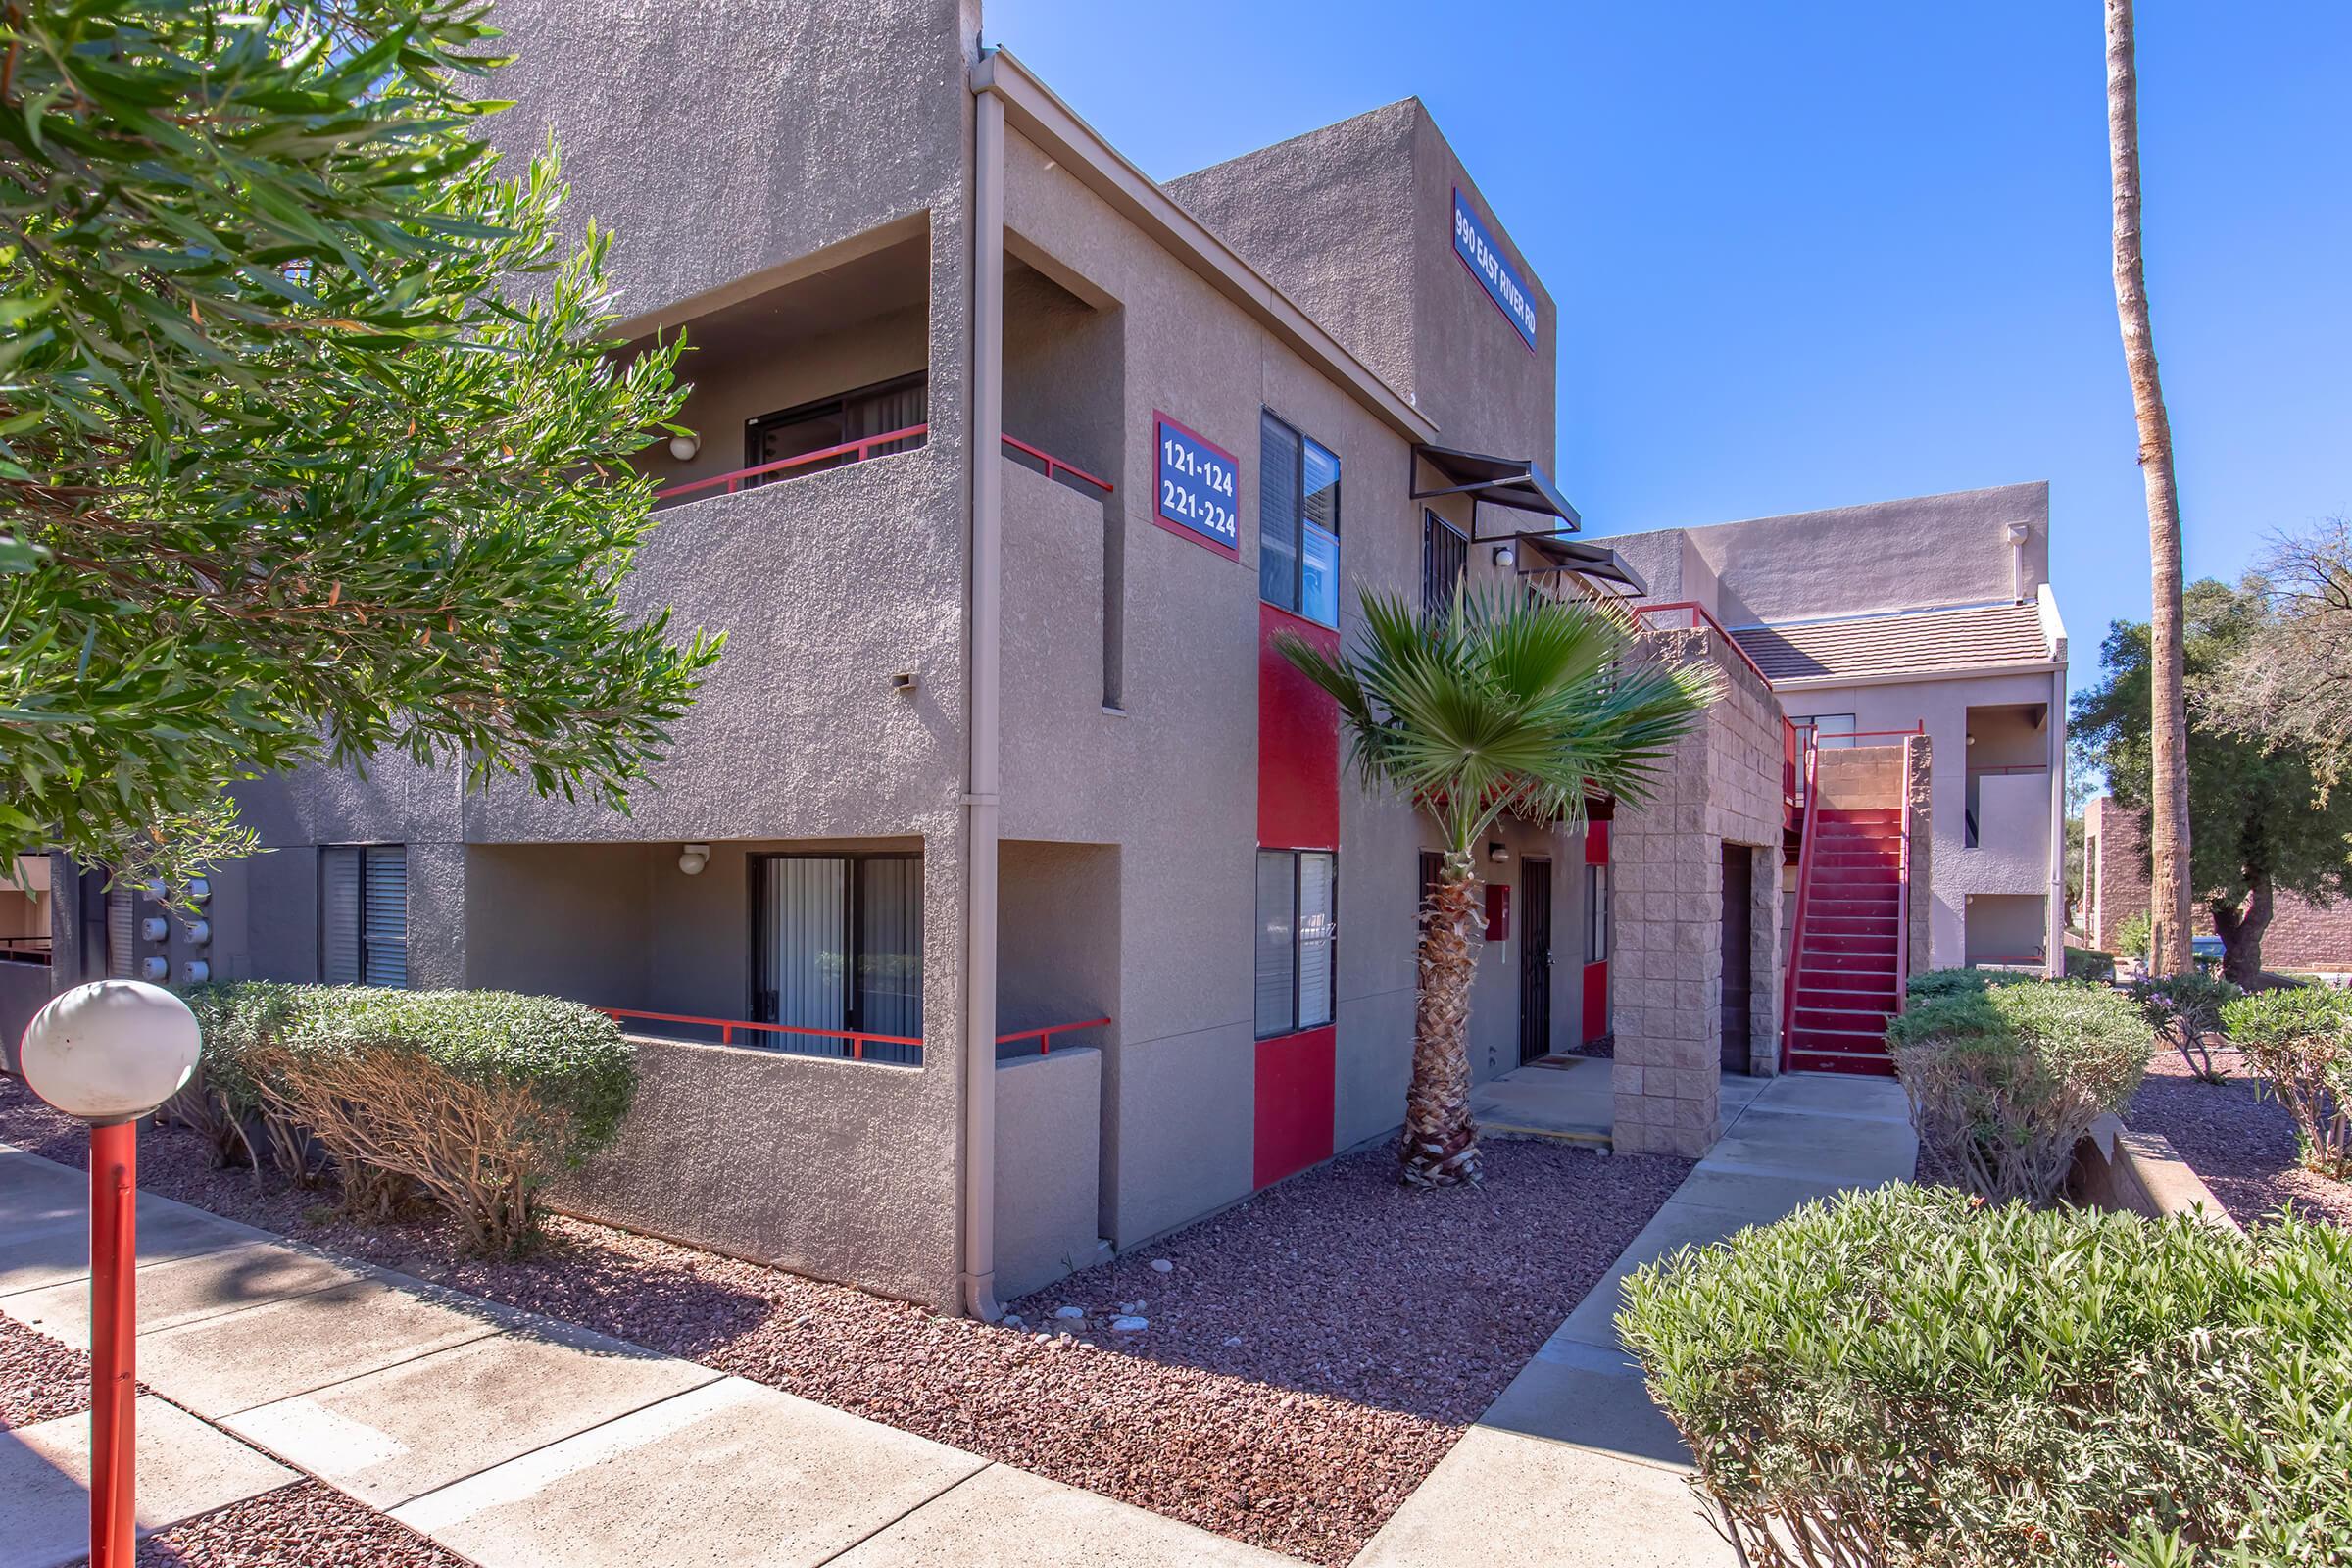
{"x": 1198, "y": 483}
{"x": 1479, "y": 253}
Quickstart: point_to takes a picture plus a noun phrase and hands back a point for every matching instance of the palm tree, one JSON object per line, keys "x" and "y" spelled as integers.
{"x": 2168, "y": 793}
{"x": 1511, "y": 703}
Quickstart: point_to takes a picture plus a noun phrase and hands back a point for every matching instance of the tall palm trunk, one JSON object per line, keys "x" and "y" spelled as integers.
{"x": 2168, "y": 794}
{"x": 1441, "y": 1141}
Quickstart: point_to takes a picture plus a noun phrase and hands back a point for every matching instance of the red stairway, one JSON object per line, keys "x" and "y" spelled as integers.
{"x": 1846, "y": 973}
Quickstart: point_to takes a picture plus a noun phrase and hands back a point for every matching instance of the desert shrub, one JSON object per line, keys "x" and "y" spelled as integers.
{"x": 2300, "y": 1039}
{"x": 2004, "y": 1078}
{"x": 2186, "y": 1010}
{"x": 1934, "y": 984}
{"x": 2133, "y": 937}
{"x": 2090, "y": 963}
{"x": 1907, "y": 1379}
{"x": 220, "y": 1102}
{"x": 472, "y": 1099}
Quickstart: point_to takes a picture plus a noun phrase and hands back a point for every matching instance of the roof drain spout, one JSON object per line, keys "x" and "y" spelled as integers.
{"x": 978, "y": 1271}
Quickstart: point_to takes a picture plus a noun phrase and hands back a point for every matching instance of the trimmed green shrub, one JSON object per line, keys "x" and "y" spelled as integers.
{"x": 2133, "y": 937}
{"x": 2004, "y": 1078}
{"x": 2090, "y": 963}
{"x": 1908, "y": 1379}
{"x": 2300, "y": 1039}
{"x": 2186, "y": 1009}
{"x": 472, "y": 1099}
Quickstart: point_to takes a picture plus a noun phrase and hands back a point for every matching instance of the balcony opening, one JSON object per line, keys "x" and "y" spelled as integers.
{"x": 2006, "y": 930}
{"x": 2008, "y": 761}
{"x": 827, "y": 369}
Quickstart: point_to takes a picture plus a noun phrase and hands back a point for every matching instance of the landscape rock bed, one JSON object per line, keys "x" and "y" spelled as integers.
{"x": 40, "y": 1379}
{"x": 1311, "y": 1354}
{"x": 2241, "y": 1146}
{"x": 306, "y": 1525}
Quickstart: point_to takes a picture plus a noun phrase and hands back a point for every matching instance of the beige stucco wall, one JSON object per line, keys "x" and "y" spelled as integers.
{"x": 1049, "y": 1166}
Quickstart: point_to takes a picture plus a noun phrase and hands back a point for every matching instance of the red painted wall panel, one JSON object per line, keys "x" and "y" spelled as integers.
{"x": 1298, "y": 743}
{"x": 1596, "y": 1001}
{"x": 1295, "y": 1103}
{"x": 1596, "y": 843}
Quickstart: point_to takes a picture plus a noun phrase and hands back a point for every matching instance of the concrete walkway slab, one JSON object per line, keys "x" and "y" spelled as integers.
{"x": 186, "y": 1290}
{"x": 729, "y": 1474}
{"x": 37, "y": 1192}
{"x": 219, "y": 1366}
{"x": 395, "y": 1434}
{"x": 1566, "y": 1098}
{"x": 35, "y": 1256}
{"x": 1500, "y": 1500}
{"x": 1008, "y": 1518}
{"x": 1856, "y": 1151}
{"x": 185, "y": 1467}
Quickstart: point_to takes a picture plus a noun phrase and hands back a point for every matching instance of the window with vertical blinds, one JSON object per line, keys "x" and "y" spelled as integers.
{"x": 121, "y": 932}
{"x": 1297, "y": 522}
{"x": 363, "y": 914}
{"x": 1298, "y": 929}
{"x": 838, "y": 943}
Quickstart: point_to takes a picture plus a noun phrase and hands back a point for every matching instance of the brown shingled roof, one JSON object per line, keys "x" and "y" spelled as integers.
{"x": 1917, "y": 641}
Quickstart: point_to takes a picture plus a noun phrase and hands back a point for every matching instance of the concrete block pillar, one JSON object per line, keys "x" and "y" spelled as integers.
{"x": 1666, "y": 984}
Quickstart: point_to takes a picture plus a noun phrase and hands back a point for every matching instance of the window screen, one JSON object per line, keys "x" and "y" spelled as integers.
{"x": 363, "y": 914}
{"x": 1597, "y": 914}
{"x": 1298, "y": 523}
{"x": 1445, "y": 557}
{"x": 1297, "y": 928}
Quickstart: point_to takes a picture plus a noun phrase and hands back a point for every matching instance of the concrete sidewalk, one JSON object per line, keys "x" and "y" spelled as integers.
{"x": 1572, "y": 1466}
{"x": 516, "y": 1441}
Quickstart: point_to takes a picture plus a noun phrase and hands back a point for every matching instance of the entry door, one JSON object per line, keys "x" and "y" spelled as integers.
{"x": 1535, "y": 960}
{"x": 1739, "y": 888}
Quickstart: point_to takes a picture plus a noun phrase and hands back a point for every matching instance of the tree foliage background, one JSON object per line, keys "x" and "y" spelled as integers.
{"x": 2291, "y": 682}
{"x": 2260, "y": 820}
{"x": 311, "y": 444}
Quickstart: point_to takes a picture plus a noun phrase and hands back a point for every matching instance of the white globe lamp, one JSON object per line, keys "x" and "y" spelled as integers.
{"x": 109, "y": 1051}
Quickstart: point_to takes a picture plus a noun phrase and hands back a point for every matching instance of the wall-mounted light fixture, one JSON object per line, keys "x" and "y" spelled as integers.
{"x": 1506, "y": 556}
{"x": 693, "y": 858}
{"x": 684, "y": 447}
{"x": 1497, "y": 852}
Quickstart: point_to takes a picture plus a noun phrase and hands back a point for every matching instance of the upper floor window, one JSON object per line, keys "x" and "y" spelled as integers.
{"x": 1444, "y": 558}
{"x": 839, "y": 421}
{"x": 363, "y": 914}
{"x": 1297, "y": 522}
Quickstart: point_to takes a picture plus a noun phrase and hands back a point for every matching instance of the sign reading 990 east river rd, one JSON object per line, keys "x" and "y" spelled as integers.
{"x": 1198, "y": 483}
{"x": 1479, "y": 253}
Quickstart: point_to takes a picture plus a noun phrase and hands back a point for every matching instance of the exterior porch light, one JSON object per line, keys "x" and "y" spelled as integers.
{"x": 1506, "y": 556}
{"x": 693, "y": 858}
{"x": 684, "y": 447}
{"x": 1497, "y": 852}
{"x": 107, "y": 1053}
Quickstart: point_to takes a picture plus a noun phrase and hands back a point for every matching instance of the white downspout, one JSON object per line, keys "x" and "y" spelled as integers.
{"x": 980, "y": 820}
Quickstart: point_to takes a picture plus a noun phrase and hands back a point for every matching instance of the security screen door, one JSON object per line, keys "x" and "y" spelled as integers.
{"x": 836, "y": 943}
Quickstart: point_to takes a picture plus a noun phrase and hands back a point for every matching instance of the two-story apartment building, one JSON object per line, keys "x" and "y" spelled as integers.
{"x": 1931, "y": 617}
{"x": 1004, "y": 895}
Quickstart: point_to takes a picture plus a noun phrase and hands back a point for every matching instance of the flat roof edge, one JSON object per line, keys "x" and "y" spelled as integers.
{"x": 1040, "y": 115}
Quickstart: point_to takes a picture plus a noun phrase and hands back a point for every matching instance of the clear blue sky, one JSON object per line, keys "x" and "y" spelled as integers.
{"x": 1813, "y": 253}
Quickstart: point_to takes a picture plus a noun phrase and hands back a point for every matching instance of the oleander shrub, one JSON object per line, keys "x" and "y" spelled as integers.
{"x": 2299, "y": 1039}
{"x": 2004, "y": 1076}
{"x": 2090, "y": 963}
{"x": 468, "y": 1100}
{"x": 2185, "y": 1009}
{"x": 220, "y": 1102}
{"x": 1908, "y": 1378}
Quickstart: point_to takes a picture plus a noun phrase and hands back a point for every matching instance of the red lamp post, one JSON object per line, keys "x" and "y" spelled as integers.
{"x": 108, "y": 1053}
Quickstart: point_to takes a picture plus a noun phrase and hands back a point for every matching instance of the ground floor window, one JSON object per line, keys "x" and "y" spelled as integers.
{"x": 363, "y": 914}
{"x": 1298, "y": 924}
{"x": 836, "y": 943}
{"x": 1597, "y": 914}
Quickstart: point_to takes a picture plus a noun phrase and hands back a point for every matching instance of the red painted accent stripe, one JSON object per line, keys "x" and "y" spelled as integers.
{"x": 1297, "y": 1100}
{"x": 1298, "y": 742}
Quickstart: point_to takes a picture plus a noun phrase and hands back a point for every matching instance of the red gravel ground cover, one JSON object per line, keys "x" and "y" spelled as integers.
{"x": 40, "y": 1379}
{"x": 1311, "y": 1354}
{"x": 2241, "y": 1146}
{"x": 302, "y": 1526}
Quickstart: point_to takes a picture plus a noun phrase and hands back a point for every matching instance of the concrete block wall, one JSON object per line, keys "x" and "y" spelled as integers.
{"x": 1720, "y": 784}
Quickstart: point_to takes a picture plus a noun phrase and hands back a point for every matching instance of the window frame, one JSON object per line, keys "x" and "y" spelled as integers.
{"x": 1436, "y": 603}
{"x": 1597, "y": 893}
{"x": 756, "y": 429}
{"x": 362, "y": 851}
{"x": 761, "y": 1010}
{"x": 1297, "y": 943}
{"x": 1296, "y": 525}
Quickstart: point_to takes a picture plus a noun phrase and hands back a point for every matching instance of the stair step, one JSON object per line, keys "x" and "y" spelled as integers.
{"x": 1879, "y": 1066}
{"x": 1873, "y": 963}
{"x": 1833, "y": 942}
{"x": 1849, "y": 925}
{"x": 1849, "y": 903}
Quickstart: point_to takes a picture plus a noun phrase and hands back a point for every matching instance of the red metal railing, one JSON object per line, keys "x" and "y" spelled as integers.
{"x": 857, "y": 451}
{"x": 1045, "y": 1037}
{"x": 857, "y": 1040}
{"x": 1902, "y": 884}
{"x": 1701, "y": 616}
{"x": 1804, "y": 893}
{"x": 854, "y": 451}
{"x": 1054, "y": 464}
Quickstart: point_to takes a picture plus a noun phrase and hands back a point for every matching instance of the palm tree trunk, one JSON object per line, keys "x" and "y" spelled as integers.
{"x": 2168, "y": 795}
{"x": 1441, "y": 1141}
